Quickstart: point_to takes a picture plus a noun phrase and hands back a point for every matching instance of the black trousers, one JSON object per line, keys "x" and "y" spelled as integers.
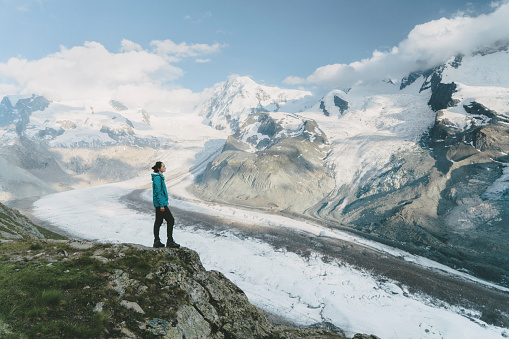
{"x": 170, "y": 221}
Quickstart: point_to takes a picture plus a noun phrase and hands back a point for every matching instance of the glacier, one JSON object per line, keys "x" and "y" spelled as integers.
{"x": 412, "y": 182}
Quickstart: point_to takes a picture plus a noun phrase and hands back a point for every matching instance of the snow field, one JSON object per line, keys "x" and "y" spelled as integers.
{"x": 380, "y": 122}
{"x": 303, "y": 290}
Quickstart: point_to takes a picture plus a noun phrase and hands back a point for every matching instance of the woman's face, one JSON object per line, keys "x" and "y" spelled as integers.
{"x": 162, "y": 169}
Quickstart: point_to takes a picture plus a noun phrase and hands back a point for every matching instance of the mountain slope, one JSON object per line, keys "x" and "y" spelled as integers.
{"x": 274, "y": 161}
{"x": 421, "y": 162}
{"x": 78, "y": 289}
{"x": 237, "y": 98}
{"x": 48, "y": 147}
{"x": 448, "y": 197}
{"x": 14, "y": 225}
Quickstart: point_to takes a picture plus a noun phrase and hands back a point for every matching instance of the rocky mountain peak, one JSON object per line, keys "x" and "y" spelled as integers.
{"x": 239, "y": 82}
{"x": 6, "y": 103}
{"x": 19, "y": 114}
{"x": 263, "y": 130}
{"x": 263, "y": 161}
{"x": 334, "y": 103}
{"x": 234, "y": 100}
{"x": 118, "y": 106}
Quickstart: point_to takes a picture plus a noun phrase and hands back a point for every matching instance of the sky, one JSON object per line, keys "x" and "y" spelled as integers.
{"x": 155, "y": 51}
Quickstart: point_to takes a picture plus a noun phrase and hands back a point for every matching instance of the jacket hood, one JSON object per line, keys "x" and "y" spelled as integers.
{"x": 157, "y": 175}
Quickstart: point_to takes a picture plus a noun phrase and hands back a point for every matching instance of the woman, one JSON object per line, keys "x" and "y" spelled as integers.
{"x": 160, "y": 199}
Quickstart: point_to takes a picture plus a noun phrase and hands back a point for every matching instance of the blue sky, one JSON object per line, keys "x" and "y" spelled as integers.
{"x": 268, "y": 40}
{"x": 172, "y": 50}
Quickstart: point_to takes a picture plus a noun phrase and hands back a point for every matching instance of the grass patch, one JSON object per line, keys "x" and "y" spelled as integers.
{"x": 50, "y": 289}
{"x": 53, "y": 289}
{"x": 36, "y": 246}
{"x": 52, "y": 298}
{"x": 49, "y": 234}
{"x": 42, "y": 299}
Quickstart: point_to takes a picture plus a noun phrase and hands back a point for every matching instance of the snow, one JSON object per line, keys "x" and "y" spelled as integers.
{"x": 365, "y": 138}
{"x": 304, "y": 290}
{"x": 499, "y": 190}
{"x": 81, "y": 124}
{"x": 481, "y": 79}
{"x": 480, "y": 70}
{"x": 237, "y": 98}
{"x": 292, "y": 126}
{"x": 380, "y": 122}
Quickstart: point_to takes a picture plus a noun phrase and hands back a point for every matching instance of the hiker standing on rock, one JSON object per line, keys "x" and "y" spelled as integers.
{"x": 160, "y": 199}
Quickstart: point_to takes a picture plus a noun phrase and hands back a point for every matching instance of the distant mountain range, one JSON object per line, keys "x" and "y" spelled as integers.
{"x": 419, "y": 162}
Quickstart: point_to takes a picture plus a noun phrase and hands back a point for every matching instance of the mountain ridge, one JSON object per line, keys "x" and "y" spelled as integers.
{"x": 401, "y": 153}
{"x": 404, "y": 157}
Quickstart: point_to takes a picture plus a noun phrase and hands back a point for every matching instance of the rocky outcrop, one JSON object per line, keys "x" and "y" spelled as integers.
{"x": 128, "y": 291}
{"x": 118, "y": 106}
{"x": 274, "y": 161}
{"x": 341, "y": 105}
{"x": 14, "y": 225}
{"x": 333, "y": 104}
{"x": 19, "y": 114}
{"x": 441, "y": 94}
{"x": 448, "y": 200}
{"x": 412, "y": 77}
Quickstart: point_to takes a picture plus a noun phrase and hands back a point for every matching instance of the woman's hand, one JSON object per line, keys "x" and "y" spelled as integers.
{"x": 162, "y": 209}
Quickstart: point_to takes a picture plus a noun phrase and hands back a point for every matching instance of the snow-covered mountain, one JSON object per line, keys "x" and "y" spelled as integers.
{"x": 274, "y": 161}
{"x": 232, "y": 101}
{"x": 420, "y": 163}
{"x": 64, "y": 125}
{"x": 421, "y": 160}
{"x": 53, "y": 146}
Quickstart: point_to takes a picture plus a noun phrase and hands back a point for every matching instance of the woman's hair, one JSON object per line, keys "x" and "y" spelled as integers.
{"x": 157, "y": 166}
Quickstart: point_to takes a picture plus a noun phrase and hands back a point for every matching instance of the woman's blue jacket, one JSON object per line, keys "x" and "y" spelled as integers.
{"x": 160, "y": 194}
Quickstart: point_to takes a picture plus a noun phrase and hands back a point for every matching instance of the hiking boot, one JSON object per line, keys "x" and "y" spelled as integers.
{"x": 172, "y": 244}
{"x": 158, "y": 244}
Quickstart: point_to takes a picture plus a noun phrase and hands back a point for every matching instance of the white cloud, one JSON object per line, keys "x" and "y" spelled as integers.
{"x": 157, "y": 99}
{"x": 176, "y": 52}
{"x": 7, "y": 89}
{"x": 129, "y": 46}
{"x": 202, "y": 61}
{"x": 426, "y": 46}
{"x": 91, "y": 72}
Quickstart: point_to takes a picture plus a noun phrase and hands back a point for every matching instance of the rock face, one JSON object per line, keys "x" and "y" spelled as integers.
{"x": 128, "y": 291}
{"x": 422, "y": 165}
{"x": 19, "y": 114}
{"x": 448, "y": 198}
{"x": 14, "y": 225}
{"x": 333, "y": 103}
{"x": 274, "y": 161}
{"x": 210, "y": 306}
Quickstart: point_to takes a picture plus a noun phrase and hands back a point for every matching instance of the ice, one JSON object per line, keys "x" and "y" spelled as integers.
{"x": 380, "y": 122}
{"x": 303, "y": 290}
